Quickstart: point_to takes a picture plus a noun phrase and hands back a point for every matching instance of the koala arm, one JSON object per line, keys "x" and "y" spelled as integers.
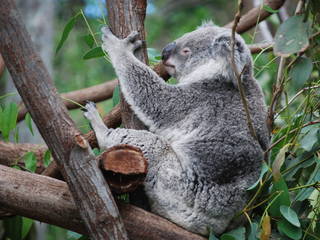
{"x": 149, "y": 96}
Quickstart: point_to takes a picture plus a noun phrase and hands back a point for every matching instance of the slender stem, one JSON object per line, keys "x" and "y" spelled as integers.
{"x": 292, "y": 131}
{"x": 295, "y": 96}
{"x": 237, "y": 74}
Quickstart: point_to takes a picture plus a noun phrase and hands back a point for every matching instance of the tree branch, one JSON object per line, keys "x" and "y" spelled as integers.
{"x": 95, "y": 93}
{"x": 71, "y": 151}
{"x": 255, "y": 15}
{"x": 49, "y": 200}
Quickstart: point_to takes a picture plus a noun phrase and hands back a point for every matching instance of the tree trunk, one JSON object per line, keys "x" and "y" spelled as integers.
{"x": 73, "y": 154}
{"x": 124, "y": 17}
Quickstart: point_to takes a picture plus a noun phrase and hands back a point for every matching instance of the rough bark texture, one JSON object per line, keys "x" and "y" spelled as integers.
{"x": 12, "y": 154}
{"x": 124, "y": 17}
{"x": 95, "y": 93}
{"x": 49, "y": 200}
{"x": 56, "y": 127}
{"x": 256, "y": 15}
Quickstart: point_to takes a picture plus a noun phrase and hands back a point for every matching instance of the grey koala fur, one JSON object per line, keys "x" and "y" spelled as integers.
{"x": 201, "y": 155}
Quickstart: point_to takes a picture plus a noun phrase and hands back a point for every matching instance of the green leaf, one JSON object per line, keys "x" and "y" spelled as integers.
{"x": 254, "y": 233}
{"x": 236, "y": 234}
{"x": 94, "y": 53}
{"x": 26, "y": 226}
{"x": 67, "y": 29}
{"x": 301, "y": 71}
{"x": 292, "y": 36}
{"x": 8, "y": 95}
{"x": 89, "y": 40}
{"x": 30, "y": 161}
{"x": 311, "y": 138}
{"x": 280, "y": 187}
{"x": 265, "y": 228}
{"x": 212, "y": 236}
{"x": 47, "y": 158}
{"x": 28, "y": 121}
{"x": 12, "y": 226}
{"x": 8, "y": 117}
{"x": 290, "y": 215}
{"x": 269, "y": 9}
{"x": 279, "y": 160}
{"x": 116, "y": 95}
{"x": 289, "y": 230}
{"x": 264, "y": 169}
{"x": 306, "y": 192}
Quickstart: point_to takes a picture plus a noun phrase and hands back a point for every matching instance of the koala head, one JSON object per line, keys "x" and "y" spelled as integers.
{"x": 207, "y": 45}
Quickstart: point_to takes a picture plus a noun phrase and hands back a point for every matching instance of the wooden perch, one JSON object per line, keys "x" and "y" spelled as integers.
{"x": 49, "y": 200}
{"x": 125, "y": 167}
{"x": 256, "y": 15}
{"x": 85, "y": 180}
{"x": 12, "y": 154}
{"x": 95, "y": 93}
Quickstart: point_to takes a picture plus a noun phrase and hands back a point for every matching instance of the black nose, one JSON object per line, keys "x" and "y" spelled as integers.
{"x": 168, "y": 50}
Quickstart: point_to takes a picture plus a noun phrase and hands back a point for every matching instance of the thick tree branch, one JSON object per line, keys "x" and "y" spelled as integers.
{"x": 255, "y": 15}
{"x": 2, "y": 65}
{"x": 12, "y": 154}
{"x": 71, "y": 151}
{"x": 95, "y": 93}
{"x": 124, "y": 17}
{"x": 49, "y": 200}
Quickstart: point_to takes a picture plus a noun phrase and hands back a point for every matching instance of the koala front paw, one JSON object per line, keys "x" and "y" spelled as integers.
{"x": 90, "y": 111}
{"x": 111, "y": 44}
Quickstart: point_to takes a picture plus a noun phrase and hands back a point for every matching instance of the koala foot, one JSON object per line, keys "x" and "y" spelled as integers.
{"x": 112, "y": 44}
{"x": 90, "y": 111}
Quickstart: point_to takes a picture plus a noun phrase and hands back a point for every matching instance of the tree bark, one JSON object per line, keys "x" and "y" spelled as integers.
{"x": 49, "y": 200}
{"x": 93, "y": 197}
{"x": 255, "y": 15}
{"x": 95, "y": 93}
{"x": 124, "y": 17}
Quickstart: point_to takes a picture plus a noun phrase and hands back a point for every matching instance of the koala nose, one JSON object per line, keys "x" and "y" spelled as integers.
{"x": 168, "y": 50}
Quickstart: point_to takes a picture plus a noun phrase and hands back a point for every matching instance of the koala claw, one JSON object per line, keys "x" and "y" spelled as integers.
{"x": 133, "y": 36}
{"x": 90, "y": 111}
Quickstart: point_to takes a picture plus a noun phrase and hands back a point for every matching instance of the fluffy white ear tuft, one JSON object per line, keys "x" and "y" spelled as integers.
{"x": 206, "y": 23}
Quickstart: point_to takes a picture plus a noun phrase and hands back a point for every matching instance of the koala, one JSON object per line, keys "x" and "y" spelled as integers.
{"x": 202, "y": 157}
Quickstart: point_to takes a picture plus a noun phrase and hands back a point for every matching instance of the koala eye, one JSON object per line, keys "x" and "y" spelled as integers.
{"x": 185, "y": 51}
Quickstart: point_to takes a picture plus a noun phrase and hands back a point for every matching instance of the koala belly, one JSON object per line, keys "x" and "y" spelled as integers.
{"x": 170, "y": 196}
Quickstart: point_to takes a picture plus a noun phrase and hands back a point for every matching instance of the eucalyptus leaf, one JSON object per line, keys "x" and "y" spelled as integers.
{"x": 264, "y": 169}
{"x": 30, "y": 161}
{"x": 26, "y": 227}
{"x": 311, "y": 138}
{"x": 28, "y": 121}
{"x": 266, "y": 228}
{"x": 292, "y": 36}
{"x": 66, "y": 31}
{"x": 304, "y": 193}
{"x": 89, "y": 40}
{"x": 8, "y": 117}
{"x": 116, "y": 95}
{"x": 47, "y": 158}
{"x": 279, "y": 187}
{"x": 289, "y": 230}
{"x": 236, "y": 234}
{"x": 94, "y": 53}
{"x": 301, "y": 71}
{"x": 290, "y": 215}
{"x": 254, "y": 233}
{"x": 269, "y": 9}
{"x": 279, "y": 160}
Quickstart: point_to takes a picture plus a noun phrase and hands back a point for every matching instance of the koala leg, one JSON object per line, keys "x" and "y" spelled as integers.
{"x": 153, "y": 146}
